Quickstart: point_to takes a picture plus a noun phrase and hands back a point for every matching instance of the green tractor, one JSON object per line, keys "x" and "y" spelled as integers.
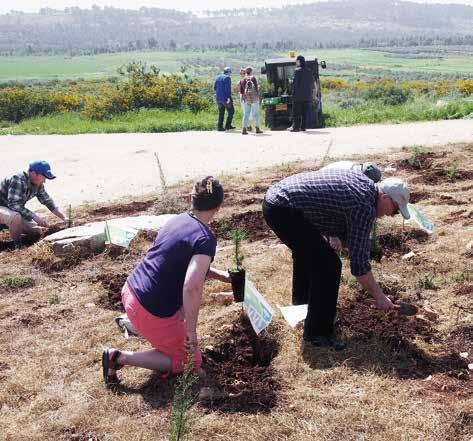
{"x": 278, "y": 102}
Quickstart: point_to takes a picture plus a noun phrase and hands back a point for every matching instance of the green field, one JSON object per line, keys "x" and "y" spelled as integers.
{"x": 206, "y": 63}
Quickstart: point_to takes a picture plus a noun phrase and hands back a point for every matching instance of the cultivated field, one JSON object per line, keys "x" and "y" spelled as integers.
{"x": 402, "y": 62}
{"x": 400, "y": 378}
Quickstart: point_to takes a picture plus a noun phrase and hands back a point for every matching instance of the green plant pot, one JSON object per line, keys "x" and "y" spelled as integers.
{"x": 238, "y": 284}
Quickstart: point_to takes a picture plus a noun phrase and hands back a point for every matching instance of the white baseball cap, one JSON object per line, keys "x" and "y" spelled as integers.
{"x": 398, "y": 192}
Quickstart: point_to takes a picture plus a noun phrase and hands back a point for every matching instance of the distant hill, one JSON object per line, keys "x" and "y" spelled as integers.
{"x": 344, "y": 23}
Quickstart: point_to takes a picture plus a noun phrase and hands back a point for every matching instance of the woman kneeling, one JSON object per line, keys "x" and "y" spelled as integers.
{"x": 162, "y": 296}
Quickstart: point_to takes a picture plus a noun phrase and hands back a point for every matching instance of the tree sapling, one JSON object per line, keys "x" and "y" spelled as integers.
{"x": 238, "y": 273}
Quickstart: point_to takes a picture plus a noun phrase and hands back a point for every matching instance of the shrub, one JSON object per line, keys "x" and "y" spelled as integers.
{"x": 391, "y": 95}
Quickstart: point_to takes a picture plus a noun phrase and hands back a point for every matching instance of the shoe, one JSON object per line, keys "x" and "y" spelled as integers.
{"x": 230, "y": 128}
{"x": 302, "y": 130}
{"x": 221, "y": 129}
{"x": 244, "y": 131}
{"x": 250, "y": 129}
{"x": 124, "y": 324}
{"x": 17, "y": 244}
{"x": 258, "y": 130}
{"x": 322, "y": 341}
{"x": 292, "y": 129}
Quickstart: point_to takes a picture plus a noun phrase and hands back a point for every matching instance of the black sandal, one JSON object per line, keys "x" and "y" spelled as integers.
{"x": 110, "y": 362}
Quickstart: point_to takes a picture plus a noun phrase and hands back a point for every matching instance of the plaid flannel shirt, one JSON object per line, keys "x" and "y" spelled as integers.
{"x": 18, "y": 189}
{"x": 339, "y": 203}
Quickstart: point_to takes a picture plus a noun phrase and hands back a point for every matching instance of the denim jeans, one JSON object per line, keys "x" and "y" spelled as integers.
{"x": 253, "y": 110}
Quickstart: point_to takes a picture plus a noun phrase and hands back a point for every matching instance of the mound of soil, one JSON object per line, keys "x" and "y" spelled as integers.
{"x": 123, "y": 209}
{"x": 113, "y": 284}
{"x": 363, "y": 323}
{"x": 464, "y": 216}
{"x": 465, "y": 289}
{"x": 442, "y": 175}
{"x": 419, "y": 161}
{"x": 239, "y": 366}
{"x": 251, "y": 221}
{"x": 417, "y": 196}
{"x": 401, "y": 242}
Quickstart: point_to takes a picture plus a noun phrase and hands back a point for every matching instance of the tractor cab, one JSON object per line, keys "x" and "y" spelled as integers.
{"x": 277, "y": 102}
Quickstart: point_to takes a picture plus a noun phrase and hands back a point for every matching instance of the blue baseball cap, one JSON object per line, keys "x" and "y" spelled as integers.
{"x": 42, "y": 168}
{"x": 227, "y": 70}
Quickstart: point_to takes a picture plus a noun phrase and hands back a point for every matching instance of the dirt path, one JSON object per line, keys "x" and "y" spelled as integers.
{"x": 106, "y": 167}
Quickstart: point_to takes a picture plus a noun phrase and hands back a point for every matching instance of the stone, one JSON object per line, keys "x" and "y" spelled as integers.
{"x": 408, "y": 256}
{"x": 469, "y": 247}
{"x": 90, "y": 238}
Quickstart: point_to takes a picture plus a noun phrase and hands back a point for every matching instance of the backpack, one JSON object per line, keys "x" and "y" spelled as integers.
{"x": 249, "y": 86}
{"x": 251, "y": 94}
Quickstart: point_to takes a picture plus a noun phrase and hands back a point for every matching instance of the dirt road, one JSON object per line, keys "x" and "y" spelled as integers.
{"x": 107, "y": 167}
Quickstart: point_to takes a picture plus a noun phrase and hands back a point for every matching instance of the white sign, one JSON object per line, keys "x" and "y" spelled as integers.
{"x": 257, "y": 308}
{"x": 421, "y": 219}
{"x": 293, "y": 314}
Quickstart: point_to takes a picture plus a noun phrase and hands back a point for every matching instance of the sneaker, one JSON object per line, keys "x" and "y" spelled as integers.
{"x": 244, "y": 131}
{"x": 221, "y": 129}
{"x": 124, "y": 324}
{"x": 250, "y": 129}
{"x": 292, "y": 129}
{"x": 258, "y": 130}
{"x": 230, "y": 128}
{"x": 322, "y": 341}
{"x": 302, "y": 130}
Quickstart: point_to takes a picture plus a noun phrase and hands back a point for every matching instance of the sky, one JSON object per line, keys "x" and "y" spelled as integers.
{"x": 185, "y": 5}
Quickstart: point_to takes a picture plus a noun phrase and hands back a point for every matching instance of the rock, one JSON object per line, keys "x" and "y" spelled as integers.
{"x": 430, "y": 313}
{"x": 470, "y": 366}
{"x": 469, "y": 247}
{"x": 464, "y": 354}
{"x": 210, "y": 394}
{"x": 89, "y": 305}
{"x": 90, "y": 238}
{"x": 390, "y": 169}
{"x": 440, "y": 104}
{"x": 225, "y": 298}
{"x": 408, "y": 256}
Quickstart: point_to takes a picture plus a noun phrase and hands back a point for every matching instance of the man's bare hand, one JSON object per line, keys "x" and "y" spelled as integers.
{"x": 335, "y": 243}
{"x": 384, "y": 303}
{"x": 40, "y": 221}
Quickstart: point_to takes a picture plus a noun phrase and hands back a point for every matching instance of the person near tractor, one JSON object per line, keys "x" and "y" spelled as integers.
{"x": 249, "y": 92}
{"x": 303, "y": 210}
{"x": 302, "y": 95}
{"x": 162, "y": 296}
{"x": 223, "y": 98}
{"x": 16, "y": 191}
{"x": 238, "y": 92}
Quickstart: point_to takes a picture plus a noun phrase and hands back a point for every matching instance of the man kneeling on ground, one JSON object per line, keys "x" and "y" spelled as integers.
{"x": 16, "y": 191}
{"x": 305, "y": 208}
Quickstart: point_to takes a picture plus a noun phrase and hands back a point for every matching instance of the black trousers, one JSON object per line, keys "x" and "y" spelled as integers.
{"x": 299, "y": 114}
{"x": 222, "y": 106}
{"x": 316, "y": 267}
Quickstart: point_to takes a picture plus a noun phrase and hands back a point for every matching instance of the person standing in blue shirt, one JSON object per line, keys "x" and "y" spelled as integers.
{"x": 223, "y": 96}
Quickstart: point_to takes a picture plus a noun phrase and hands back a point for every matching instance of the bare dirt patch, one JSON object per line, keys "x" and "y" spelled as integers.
{"x": 463, "y": 216}
{"x": 123, "y": 209}
{"x": 401, "y": 242}
{"x": 239, "y": 367}
{"x": 251, "y": 221}
{"x": 113, "y": 284}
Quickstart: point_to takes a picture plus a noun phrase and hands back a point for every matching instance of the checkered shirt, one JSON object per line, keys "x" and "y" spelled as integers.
{"x": 338, "y": 203}
{"x": 17, "y": 190}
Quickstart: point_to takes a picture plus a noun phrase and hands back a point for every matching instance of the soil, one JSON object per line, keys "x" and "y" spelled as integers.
{"x": 251, "y": 221}
{"x": 464, "y": 289}
{"x": 123, "y": 209}
{"x": 239, "y": 366}
{"x": 363, "y": 323}
{"x": 113, "y": 284}
{"x": 421, "y": 161}
{"x": 464, "y": 216}
{"x": 417, "y": 196}
{"x": 401, "y": 242}
{"x": 441, "y": 175}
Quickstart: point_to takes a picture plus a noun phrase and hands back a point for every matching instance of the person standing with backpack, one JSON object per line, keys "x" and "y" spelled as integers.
{"x": 249, "y": 92}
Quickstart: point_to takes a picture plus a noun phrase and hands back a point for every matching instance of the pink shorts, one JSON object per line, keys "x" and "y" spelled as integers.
{"x": 167, "y": 334}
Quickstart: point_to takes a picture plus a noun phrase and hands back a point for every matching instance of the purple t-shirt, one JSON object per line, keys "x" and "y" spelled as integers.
{"x": 158, "y": 280}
